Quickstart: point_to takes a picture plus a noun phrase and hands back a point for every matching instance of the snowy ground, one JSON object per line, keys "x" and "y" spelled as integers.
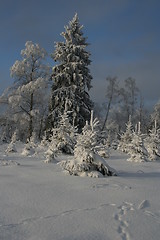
{"x": 39, "y": 201}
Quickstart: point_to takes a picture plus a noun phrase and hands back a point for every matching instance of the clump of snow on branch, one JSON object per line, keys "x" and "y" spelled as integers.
{"x": 86, "y": 161}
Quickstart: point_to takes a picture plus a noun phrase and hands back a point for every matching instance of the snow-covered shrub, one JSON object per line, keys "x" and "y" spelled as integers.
{"x": 44, "y": 141}
{"x": 14, "y": 137}
{"x": 64, "y": 136}
{"x": 11, "y": 148}
{"x": 102, "y": 147}
{"x": 63, "y": 139}
{"x": 52, "y": 151}
{"x": 103, "y": 151}
{"x": 28, "y": 150}
{"x": 93, "y": 166}
{"x": 152, "y": 143}
{"x": 33, "y": 140}
{"x": 30, "y": 147}
{"x": 126, "y": 138}
{"x": 86, "y": 161}
{"x": 136, "y": 148}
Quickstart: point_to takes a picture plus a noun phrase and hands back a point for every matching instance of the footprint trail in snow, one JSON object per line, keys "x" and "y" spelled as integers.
{"x": 122, "y": 223}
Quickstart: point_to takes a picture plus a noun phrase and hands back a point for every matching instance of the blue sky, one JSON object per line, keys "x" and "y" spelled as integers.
{"x": 124, "y": 37}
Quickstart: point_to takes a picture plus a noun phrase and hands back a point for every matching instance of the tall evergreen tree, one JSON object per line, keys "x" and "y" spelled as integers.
{"x": 72, "y": 78}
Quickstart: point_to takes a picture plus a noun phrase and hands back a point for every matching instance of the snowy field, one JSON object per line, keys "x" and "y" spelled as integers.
{"x": 38, "y": 201}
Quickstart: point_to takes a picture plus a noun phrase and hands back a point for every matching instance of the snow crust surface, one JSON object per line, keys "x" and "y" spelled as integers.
{"x": 38, "y": 201}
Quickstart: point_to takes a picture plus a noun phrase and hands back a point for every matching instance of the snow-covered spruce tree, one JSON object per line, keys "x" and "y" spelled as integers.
{"x": 101, "y": 147}
{"x": 29, "y": 98}
{"x": 72, "y": 78}
{"x": 86, "y": 161}
{"x": 31, "y": 145}
{"x": 152, "y": 143}
{"x": 11, "y": 147}
{"x": 66, "y": 138}
{"x": 63, "y": 138}
{"x": 136, "y": 149}
{"x": 52, "y": 150}
{"x": 29, "y": 148}
{"x": 126, "y": 138}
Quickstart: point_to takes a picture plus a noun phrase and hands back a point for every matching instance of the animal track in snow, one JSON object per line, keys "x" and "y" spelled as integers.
{"x": 144, "y": 204}
{"x": 123, "y": 224}
{"x": 125, "y": 208}
{"x": 62, "y": 214}
{"x": 111, "y": 185}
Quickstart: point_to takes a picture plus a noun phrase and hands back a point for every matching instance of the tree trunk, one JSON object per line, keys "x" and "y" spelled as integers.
{"x": 107, "y": 113}
{"x": 31, "y": 117}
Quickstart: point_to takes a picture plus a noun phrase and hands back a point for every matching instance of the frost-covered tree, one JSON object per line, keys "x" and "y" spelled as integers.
{"x": 64, "y": 136}
{"x": 29, "y": 98}
{"x": 111, "y": 94}
{"x": 156, "y": 114}
{"x": 126, "y": 138}
{"x": 153, "y": 143}
{"x": 12, "y": 146}
{"x": 71, "y": 76}
{"x": 142, "y": 115}
{"x": 86, "y": 160}
{"x": 30, "y": 146}
{"x": 137, "y": 150}
{"x": 52, "y": 150}
{"x": 121, "y": 103}
{"x": 62, "y": 140}
{"x": 129, "y": 97}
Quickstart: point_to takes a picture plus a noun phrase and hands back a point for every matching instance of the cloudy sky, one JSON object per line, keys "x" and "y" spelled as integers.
{"x": 124, "y": 37}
